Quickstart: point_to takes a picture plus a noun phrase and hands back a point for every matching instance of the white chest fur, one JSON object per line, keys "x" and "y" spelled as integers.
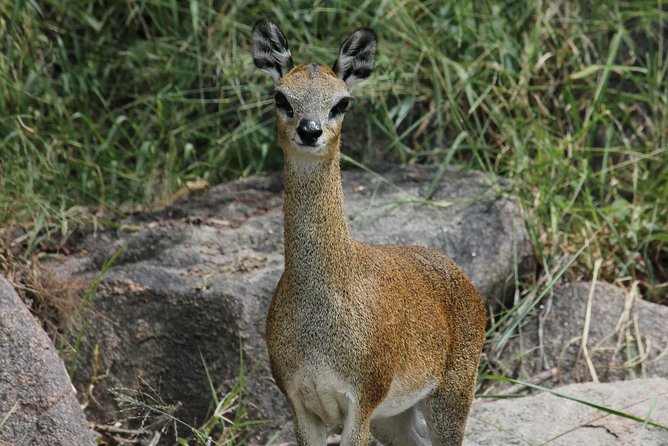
{"x": 321, "y": 392}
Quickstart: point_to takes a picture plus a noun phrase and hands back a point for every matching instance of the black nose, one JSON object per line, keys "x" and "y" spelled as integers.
{"x": 309, "y": 131}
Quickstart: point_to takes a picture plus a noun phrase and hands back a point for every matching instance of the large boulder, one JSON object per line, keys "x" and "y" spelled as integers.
{"x": 194, "y": 281}
{"x": 38, "y": 405}
{"x": 627, "y": 337}
{"x": 554, "y": 420}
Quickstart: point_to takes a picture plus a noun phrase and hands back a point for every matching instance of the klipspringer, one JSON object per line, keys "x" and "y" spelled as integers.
{"x": 381, "y": 338}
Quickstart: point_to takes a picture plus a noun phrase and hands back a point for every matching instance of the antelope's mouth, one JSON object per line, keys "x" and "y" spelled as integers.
{"x": 313, "y": 149}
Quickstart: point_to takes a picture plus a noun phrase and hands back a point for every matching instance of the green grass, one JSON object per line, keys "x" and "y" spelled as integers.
{"x": 115, "y": 105}
{"x": 107, "y": 107}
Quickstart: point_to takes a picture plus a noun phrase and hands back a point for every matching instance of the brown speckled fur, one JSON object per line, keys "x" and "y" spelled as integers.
{"x": 368, "y": 315}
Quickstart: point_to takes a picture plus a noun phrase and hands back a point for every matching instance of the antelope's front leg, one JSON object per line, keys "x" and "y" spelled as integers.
{"x": 309, "y": 428}
{"x": 356, "y": 426}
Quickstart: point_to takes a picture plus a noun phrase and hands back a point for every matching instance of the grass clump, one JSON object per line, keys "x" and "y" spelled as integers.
{"x": 107, "y": 103}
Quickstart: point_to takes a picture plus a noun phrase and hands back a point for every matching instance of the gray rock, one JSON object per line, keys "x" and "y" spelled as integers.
{"x": 546, "y": 418}
{"x": 194, "y": 282}
{"x": 627, "y": 337}
{"x": 38, "y": 405}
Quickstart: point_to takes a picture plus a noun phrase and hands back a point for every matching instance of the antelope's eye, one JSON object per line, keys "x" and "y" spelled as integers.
{"x": 283, "y": 104}
{"x": 339, "y": 108}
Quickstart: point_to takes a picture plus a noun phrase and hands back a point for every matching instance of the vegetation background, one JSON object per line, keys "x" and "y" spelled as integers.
{"x": 107, "y": 107}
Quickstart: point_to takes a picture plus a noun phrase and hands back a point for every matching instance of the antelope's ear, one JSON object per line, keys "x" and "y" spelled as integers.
{"x": 270, "y": 49}
{"x": 356, "y": 56}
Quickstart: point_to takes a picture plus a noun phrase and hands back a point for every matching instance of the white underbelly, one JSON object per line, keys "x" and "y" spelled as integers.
{"x": 401, "y": 398}
{"x": 328, "y": 396}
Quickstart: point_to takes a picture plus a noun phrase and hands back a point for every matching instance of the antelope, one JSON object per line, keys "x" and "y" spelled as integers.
{"x": 380, "y": 338}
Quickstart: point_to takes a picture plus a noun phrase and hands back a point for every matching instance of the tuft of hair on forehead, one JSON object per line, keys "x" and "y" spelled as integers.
{"x": 270, "y": 50}
{"x": 356, "y": 56}
{"x": 314, "y": 70}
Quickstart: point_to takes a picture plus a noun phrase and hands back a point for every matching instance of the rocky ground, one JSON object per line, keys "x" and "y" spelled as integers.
{"x": 554, "y": 420}
{"x": 188, "y": 287}
{"x": 38, "y": 405}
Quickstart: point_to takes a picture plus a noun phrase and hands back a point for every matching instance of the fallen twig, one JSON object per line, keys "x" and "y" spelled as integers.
{"x": 585, "y": 330}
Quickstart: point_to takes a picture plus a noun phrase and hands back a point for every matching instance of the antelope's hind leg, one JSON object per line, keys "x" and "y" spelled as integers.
{"x": 405, "y": 429}
{"x": 447, "y": 408}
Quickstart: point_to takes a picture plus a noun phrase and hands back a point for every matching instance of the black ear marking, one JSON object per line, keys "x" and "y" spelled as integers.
{"x": 356, "y": 56}
{"x": 270, "y": 49}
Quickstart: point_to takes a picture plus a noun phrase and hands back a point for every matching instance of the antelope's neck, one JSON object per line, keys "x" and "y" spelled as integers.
{"x": 318, "y": 244}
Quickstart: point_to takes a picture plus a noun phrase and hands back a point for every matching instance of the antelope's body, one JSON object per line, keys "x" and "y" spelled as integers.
{"x": 369, "y": 336}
